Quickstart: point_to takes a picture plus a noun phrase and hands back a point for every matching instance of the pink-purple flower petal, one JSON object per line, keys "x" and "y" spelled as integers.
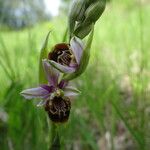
{"x": 63, "y": 84}
{"x": 50, "y": 89}
{"x": 77, "y": 48}
{"x": 61, "y": 68}
{"x": 37, "y": 92}
{"x": 52, "y": 74}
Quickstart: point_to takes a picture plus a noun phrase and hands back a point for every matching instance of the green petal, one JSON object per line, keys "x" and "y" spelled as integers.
{"x": 71, "y": 91}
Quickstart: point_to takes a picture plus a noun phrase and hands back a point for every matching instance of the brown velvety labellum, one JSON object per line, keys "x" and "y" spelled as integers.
{"x": 57, "y": 50}
{"x": 61, "y": 54}
{"x": 58, "y": 109}
{"x": 61, "y": 46}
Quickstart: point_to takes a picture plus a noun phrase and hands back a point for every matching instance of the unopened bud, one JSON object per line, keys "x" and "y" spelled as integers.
{"x": 77, "y": 9}
{"x": 94, "y": 11}
{"x": 83, "y": 14}
{"x": 76, "y": 13}
{"x": 82, "y": 30}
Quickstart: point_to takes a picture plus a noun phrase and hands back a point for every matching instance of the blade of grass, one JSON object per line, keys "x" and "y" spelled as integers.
{"x": 6, "y": 71}
{"x": 65, "y": 36}
{"x": 7, "y": 58}
{"x": 135, "y": 134}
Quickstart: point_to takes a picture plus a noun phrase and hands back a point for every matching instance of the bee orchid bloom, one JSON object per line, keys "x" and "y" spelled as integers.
{"x": 66, "y": 57}
{"x": 55, "y": 95}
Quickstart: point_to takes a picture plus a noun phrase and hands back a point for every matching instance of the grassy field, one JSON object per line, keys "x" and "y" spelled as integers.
{"x": 113, "y": 110}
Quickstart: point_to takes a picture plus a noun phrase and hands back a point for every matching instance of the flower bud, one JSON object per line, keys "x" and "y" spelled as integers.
{"x": 77, "y": 10}
{"x": 83, "y": 14}
{"x": 76, "y": 13}
{"x": 94, "y": 11}
{"x": 83, "y": 29}
{"x": 89, "y": 2}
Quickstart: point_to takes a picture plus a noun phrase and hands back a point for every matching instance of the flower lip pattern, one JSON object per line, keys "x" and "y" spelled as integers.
{"x": 55, "y": 95}
{"x": 66, "y": 57}
{"x": 62, "y": 54}
{"x": 58, "y": 109}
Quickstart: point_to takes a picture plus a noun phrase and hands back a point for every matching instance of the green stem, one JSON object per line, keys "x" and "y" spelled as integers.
{"x": 55, "y": 139}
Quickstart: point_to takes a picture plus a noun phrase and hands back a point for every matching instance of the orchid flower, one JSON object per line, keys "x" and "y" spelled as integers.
{"x": 67, "y": 57}
{"x": 71, "y": 59}
{"x": 55, "y": 95}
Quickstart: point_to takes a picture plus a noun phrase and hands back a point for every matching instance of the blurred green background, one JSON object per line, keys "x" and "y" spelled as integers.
{"x": 113, "y": 110}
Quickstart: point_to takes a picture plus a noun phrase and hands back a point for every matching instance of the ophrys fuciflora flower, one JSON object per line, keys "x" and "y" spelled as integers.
{"x": 67, "y": 57}
{"x": 56, "y": 95}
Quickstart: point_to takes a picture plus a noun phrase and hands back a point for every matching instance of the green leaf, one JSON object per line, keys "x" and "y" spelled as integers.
{"x": 43, "y": 54}
{"x": 84, "y": 59}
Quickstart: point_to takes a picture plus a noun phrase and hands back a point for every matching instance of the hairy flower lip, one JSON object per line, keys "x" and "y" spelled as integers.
{"x": 62, "y": 46}
{"x": 56, "y": 50}
{"x": 58, "y": 109}
{"x": 62, "y": 54}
